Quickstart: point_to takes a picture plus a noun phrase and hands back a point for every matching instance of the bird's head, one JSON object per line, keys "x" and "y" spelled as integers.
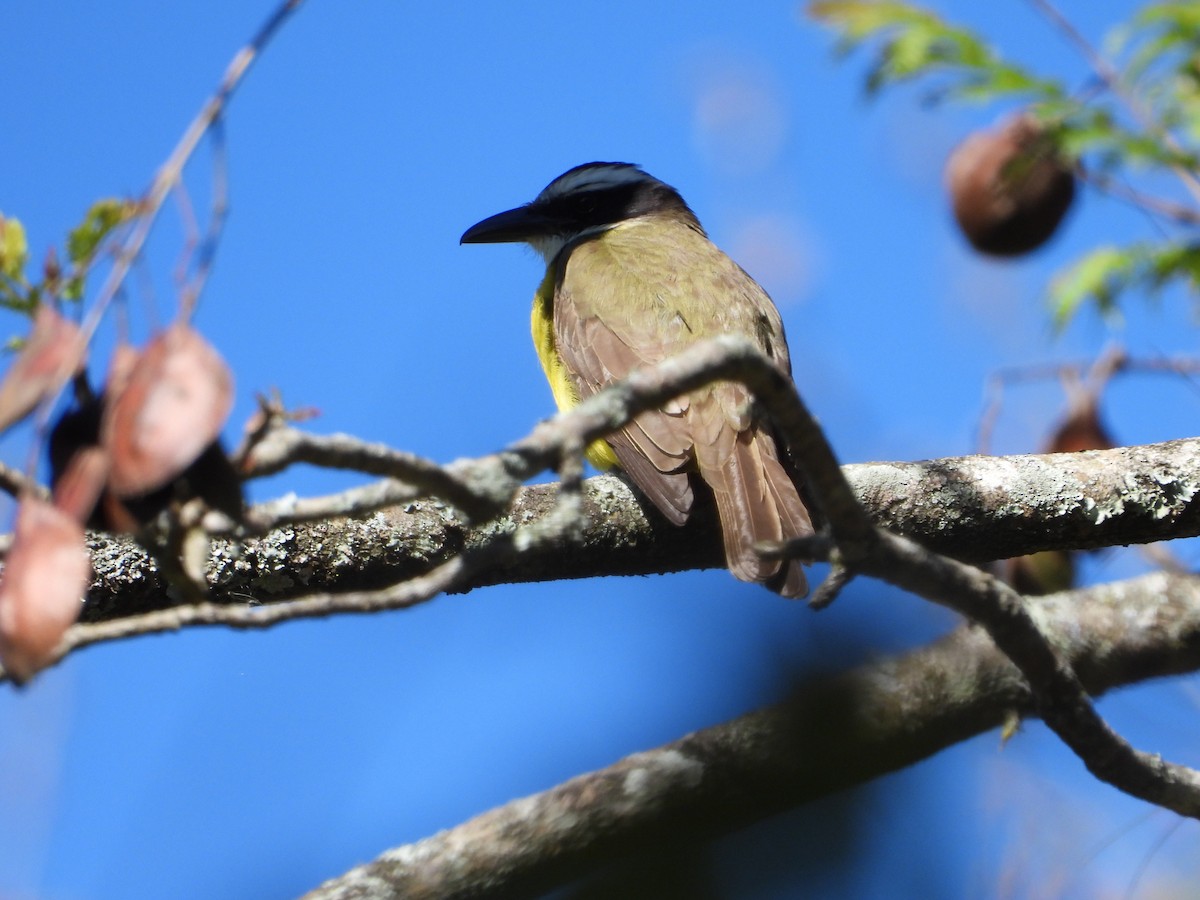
{"x": 585, "y": 200}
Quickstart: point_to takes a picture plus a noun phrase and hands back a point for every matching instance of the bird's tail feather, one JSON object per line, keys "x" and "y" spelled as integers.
{"x": 757, "y": 501}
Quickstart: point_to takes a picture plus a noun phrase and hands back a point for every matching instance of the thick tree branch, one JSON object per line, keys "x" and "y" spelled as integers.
{"x": 974, "y": 508}
{"x": 859, "y": 545}
{"x": 989, "y": 507}
{"x": 832, "y": 735}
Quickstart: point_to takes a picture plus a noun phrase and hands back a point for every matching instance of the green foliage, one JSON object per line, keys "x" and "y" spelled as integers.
{"x": 14, "y": 255}
{"x": 1138, "y": 117}
{"x": 14, "y": 251}
{"x": 1104, "y": 273}
{"x": 101, "y": 219}
{"x": 84, "y": 240}
{"x": 19, "y": 293}
{"x": 915, "y": 42}
{"x": 1161, "y": 41}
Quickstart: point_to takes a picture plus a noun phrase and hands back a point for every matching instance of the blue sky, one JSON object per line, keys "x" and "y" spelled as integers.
{"x": 367, "y": 139}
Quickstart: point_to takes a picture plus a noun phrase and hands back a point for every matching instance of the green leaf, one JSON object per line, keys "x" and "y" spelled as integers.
{"x": 1156, "y": 31}
{"x": 914, "y": 42}
{"x": 1182, "y": 19}
{"x": 1105, "y": 273}
{"x": 1094, "y": 277}
{"x": 1173, "y": 261}
{"x": 14, "y": 250}
{"x": 104, "y": 216}
{"x": 860, "y": 19}
{"x": 72, "y": 288}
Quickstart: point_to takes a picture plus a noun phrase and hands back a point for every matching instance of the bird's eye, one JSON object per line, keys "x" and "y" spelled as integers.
{"x": 586, "y": 203}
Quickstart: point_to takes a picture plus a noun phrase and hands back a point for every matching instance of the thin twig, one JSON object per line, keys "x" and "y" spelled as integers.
{"x": 16, "y": 482}
{"x": 831, "y": 588}
{"x": 1061, "y": 699}
{"x": 1184, "y": 215}
{"x": 218, "y": 212}
{"x": 164, "y": 182}
{"x": 1097, "y": 373}
{"x": 1112, "y": 79}
{"x": 281, "y": 446}
{"x": 357, "y": 501}
{"x": 191, "y": 233}
{"x": 1112, "y": 359}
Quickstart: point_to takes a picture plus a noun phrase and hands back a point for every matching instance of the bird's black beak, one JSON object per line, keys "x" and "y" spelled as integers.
{"x": 512, "y": 225}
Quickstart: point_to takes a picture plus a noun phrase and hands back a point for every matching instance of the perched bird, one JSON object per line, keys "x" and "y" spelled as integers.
{"x": 632, "y": 279}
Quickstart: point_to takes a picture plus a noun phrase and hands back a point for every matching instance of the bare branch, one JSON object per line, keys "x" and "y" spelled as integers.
{"x": 1060, "y": 697}
{"x": 165, "y": 181}
{"x": 1168, "y": 209}
{"x": 358, "y": 501}
{"x": 833, "y": 734}
{"x": 488, "y": 551}
{"x": 16, "y": 482}
{"x": 467, "y": 558}
{"x": 1091, "y": 378}
{"x": 859, "y": 546}
{"x": 282, "y": 446}
{"x": 970, "y": 507}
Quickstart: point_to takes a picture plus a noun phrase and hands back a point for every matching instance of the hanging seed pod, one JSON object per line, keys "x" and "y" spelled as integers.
{"x": 41, "y": 590}
{"x": 1009, "y": 187}
{"x": 170, "y": 408}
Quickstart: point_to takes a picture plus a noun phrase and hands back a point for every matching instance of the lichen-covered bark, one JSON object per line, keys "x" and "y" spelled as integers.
{"x": 975, "y": 508}
{"x": 991, "y": 507}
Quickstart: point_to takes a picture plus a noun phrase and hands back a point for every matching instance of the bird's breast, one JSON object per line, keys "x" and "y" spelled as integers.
{"x": 562, "y": 385}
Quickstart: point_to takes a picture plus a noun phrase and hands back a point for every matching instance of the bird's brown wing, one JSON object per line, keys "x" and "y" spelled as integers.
{"x": 654, "y": 449}
{"x": 607, "y": 324}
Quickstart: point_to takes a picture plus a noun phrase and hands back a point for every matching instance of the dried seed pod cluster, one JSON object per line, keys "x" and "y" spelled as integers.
{"x": 117, "y": 460}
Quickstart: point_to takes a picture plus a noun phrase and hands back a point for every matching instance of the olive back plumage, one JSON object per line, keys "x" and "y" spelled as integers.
{"x": 639, "y": 293}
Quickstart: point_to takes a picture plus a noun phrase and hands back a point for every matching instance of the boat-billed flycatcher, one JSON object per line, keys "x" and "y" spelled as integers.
{"x": 631, "y": 280}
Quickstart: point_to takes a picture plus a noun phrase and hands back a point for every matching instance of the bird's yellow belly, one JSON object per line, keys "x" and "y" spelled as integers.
{"x": 599, "y": 453}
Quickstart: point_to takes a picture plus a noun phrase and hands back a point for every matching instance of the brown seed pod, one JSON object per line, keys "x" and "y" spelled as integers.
{"x": 75, "y": 455}
{"x": 1009, "y": 187}
{"x": 45, "y": 576}
{"x": 168, "y": 410}
{"x": 1081, "y": 429}
{"x": 54, "y": 351}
